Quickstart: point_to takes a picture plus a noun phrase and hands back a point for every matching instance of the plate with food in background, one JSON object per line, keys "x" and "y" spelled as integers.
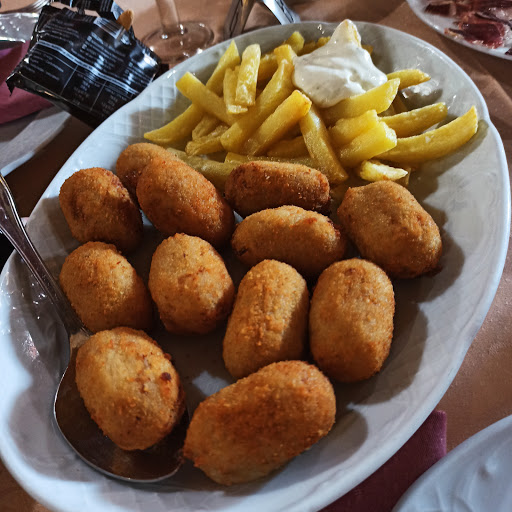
{"x": 483, "y": 26}
{"x": 457, "y": 181}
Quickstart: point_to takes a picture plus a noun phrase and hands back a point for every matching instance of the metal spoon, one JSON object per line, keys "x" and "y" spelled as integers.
{"x": 83, "y": 435}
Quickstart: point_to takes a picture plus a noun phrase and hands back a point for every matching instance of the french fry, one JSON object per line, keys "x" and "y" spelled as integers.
{"x": 206, "y": 125}
{"x": 295, "y": 41}
{"x": 229, "y": 59}
{"x": 373, "y": 142}
{"x": 230, "y": 85}
{"x": 379, "y": 99}
{"x": 409, "y": 77}
{"x": 308, "y": 48}
{"x": 322, "y": 41}
{"x": 277, "y": 90}
{"x": 373, "y": 170}
{"x": 398, "y": 105}
{"x": 288, "y": 113}
{"x": 313, "y": 45}
{"x": 268, "y": 66}
{"x": 200, "y": 95}
{"x": 434, "y": 143}
{"x": 319, "y": 146}
{"x": 207, "y": 144}
{"x": 289, "y": 148}
{"x": 247, "y": 76}
{"x": 268, "y": 62}
{"x": 337, "y": 192}
{"x": 415, "y": 121}
{"x": 405, "y": 180}
{"x": 373, "y": 134}
{"x": 216, "y": 172}
{"x": 181, "y": 127}
{"x": 284, "y": 52}
{"x": 237, "y": 157}
{"x": 347, "y": 129}
{"x": 178, "y": 129}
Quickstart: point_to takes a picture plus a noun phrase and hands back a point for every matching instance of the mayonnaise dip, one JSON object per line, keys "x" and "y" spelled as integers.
{"x": 337, "y": 70}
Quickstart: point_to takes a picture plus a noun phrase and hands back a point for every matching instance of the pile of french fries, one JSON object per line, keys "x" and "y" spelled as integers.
{"x": 250, "y": 109}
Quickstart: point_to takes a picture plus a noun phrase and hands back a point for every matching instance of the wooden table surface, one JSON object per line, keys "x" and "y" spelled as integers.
{"x": 481, "y": 391}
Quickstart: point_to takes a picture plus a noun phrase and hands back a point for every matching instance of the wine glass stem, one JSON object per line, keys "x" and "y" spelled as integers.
{"x": 169, "y": 17}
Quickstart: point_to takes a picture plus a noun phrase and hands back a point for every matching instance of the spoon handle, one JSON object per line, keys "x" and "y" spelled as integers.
{"x": 12, "y": 227}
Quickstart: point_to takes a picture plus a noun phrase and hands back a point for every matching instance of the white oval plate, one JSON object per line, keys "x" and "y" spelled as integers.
{"x": 473, "y": 476}
{"x": 437, "y": 317}
{"x": 441, "y": 23}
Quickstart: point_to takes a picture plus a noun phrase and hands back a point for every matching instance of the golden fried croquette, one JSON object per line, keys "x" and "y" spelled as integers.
{"x": 258, "y": 185}
{"x": 269, "y": 321}
{"x": 351, "y": 320}
{"x": 390, "y": 228}
{"x": 134, "y": 158}
{"x": 130, "y": 387}
{"x": 104, "y": 289}
{"x": 178, "y": 199}
{"x": 190, "y": 285}
{"x": 308, "y": 241}
{"x": 97, "y": 207}
{"x": 256, "y": 425}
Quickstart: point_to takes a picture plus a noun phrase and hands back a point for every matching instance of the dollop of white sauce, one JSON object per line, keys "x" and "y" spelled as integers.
{"x": 337, "y": 70}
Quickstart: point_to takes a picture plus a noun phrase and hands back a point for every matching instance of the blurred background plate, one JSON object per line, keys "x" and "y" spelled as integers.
{"x": 473, "y": 476}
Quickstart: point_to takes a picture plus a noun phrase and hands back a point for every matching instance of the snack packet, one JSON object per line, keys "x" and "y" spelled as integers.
{"x": 88, "y": 65}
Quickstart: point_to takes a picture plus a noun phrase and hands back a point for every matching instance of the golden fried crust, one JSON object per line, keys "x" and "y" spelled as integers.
{"x": 190, "y": 285}
{"x": 308, "y": 241}
{"x": 269, "y": 319}
{"x": 129, "y": 387}
{"x": 390, "y": 228}
{"x": 178, "y": 199}
{"x": 104, "y": 289}
{"x": 259, "y": 423}
{"x": 258, "y": 185}
{"x": 97, "y": 207}
{"x": 134, "y": 158}
{"x": 351, "y": 320}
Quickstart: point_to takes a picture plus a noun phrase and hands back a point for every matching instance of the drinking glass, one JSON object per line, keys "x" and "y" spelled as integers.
{"x": 176, "y": 40}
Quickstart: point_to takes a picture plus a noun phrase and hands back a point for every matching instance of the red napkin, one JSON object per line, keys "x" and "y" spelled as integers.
{"x": 20, "y": 103}
{"x": 381, "y": 491}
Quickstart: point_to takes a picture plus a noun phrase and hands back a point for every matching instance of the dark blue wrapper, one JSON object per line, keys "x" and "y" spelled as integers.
{"x": 88, "y": 65}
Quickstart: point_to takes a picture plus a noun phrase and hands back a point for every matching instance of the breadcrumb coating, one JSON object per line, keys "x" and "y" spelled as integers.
{"x": 97, "y": 207}
{"x": 351, "y": 320}
{"x": 130, "y": 387}
{"x": 256, "y": 425}
{"x": 269, "y": 319}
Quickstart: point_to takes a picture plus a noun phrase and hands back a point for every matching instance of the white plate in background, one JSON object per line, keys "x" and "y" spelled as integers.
{"x": 473, "y": 476}
{"x": 437, "y": 317}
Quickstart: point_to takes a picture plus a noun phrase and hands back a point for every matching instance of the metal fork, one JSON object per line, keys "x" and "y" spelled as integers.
{"x": 240, "y": 10}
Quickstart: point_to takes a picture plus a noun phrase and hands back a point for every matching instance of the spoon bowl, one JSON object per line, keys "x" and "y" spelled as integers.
{"x": 156, "y": 463}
